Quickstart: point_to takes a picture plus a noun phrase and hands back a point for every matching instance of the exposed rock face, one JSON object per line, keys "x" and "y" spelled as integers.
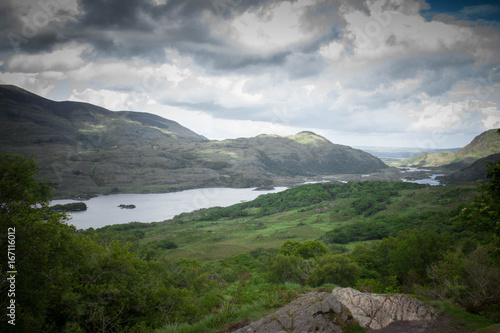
{"x": 375, "y": 311}
{"x": 314, "y": 312}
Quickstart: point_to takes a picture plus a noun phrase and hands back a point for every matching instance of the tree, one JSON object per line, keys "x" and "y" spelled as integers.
{"x": 410, "y": 253}
{"x": 284, "y": 268}
{"x": 305, "y": 250}
{"x": 467, "y": 280}
{"x": 483, "y": 215}
{"x": 40, "y": 237}
{"x": 336, "y": 269}
{"x": 66, "y": 280}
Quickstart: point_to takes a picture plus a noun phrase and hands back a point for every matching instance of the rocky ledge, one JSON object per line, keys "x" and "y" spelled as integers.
{"x": 344, "y": 307}
{"x": 314, "y": 312}
{"x": 376, "y": 311}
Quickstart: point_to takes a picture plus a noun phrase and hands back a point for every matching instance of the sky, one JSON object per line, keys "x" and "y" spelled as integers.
{"x": 392, "y": 73}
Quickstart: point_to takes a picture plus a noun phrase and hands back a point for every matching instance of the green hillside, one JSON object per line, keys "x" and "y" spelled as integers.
{"x": 485, "y": 144}
{"x": 214, "y": 270}
{"x": 336, "y": 214}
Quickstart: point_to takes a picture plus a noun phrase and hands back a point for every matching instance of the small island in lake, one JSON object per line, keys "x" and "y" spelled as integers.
{"x": 70, "y": 207}
{"x": 122, "y": 206}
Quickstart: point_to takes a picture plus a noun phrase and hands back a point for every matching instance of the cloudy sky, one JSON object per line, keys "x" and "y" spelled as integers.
{"x": 405, "y": 73}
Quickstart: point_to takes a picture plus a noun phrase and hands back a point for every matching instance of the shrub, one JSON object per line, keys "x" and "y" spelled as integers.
{"x": 336, "y": 269}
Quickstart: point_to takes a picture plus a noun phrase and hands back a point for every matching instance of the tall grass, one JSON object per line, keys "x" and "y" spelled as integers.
{"x": 240, "y": 308}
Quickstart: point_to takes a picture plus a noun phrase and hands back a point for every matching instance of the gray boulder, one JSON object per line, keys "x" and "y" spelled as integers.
{"x": 314, "y": 312}
{"x": 375, "y": 311}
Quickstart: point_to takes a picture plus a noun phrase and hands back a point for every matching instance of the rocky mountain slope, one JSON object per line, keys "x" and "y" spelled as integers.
{"x": 476, "y": 171}
{"x": 85, "y": 150}
{"x": 485, "y": 144}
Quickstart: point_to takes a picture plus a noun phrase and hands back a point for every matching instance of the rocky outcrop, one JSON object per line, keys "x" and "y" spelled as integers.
{"x": 314, "y": 312}
{"x": 375, "y": 311}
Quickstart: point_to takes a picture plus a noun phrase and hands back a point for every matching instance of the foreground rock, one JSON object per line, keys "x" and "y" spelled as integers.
{"x": 314, "y": 312}
{"x": 375, "y": 311}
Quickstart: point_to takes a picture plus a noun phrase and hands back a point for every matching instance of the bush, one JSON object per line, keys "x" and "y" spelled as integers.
{"x": 336, "y": 269}
{"x": 163, "y": 244}
{"x": 468, "y": 280}
{"x": 305, "y": 250}
{"x": 281, "y": 269}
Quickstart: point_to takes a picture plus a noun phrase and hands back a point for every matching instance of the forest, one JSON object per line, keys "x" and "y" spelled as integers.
{"x": 439, "y": 243}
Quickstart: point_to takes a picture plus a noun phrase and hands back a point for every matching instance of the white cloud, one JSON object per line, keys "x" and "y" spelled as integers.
{"x": 385, "y": 34}
{"x": 276, "y": 26}
{"x": 436, "y": 116}
{"x": 31, "y": 82}
{"x": 111, "y": 100}
{"x": 334, "y": 51}
{"x": 219, "y": 129}
{"x": 491, "y": 117}
{"x": 68, "y": 57}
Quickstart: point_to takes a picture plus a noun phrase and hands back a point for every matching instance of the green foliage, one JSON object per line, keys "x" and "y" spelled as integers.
{"x": 163, "y": 244}
{"x": 281, "y": 269}
{"x": 468, "y": 280}
{"x": 335, "y": 269}
{"x": 387, "y": 226}
{"x": 372, "y": 197}
{"x": 305, "y": 250}
{"x": 408, "y": 255}
{"x": 483, "y": 215}
{"x": 39, "y": 238}
{"x": 19, "y": 191}
{"x": 68, "y": 281}
{"x": 116, "y": 278}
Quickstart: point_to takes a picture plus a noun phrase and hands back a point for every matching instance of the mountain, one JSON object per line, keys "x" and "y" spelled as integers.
{"x": 483, "y": 145}
{"x": 476, "y": 171}
{"x": 398, "y": 153}
{"x": 84, "y": 150}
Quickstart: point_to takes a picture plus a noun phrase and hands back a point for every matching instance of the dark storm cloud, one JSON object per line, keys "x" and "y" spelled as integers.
{"x": 128, "y": 28}
{"x": 124, "y": 29}
{"x": 120, "y": 28}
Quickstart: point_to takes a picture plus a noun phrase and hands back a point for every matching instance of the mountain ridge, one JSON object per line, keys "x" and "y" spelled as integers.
{"x": 84, "y": 150}
{"x": 485, "y": 144}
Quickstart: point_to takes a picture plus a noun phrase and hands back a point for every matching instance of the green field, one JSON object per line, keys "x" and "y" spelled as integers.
{"x": 216, "y": 269}
{"x": 201, "y": 235}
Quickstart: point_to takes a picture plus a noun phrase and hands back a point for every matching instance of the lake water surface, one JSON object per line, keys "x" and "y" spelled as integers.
{"x": 104, "y": 210}
{"x": 431, "y": 180}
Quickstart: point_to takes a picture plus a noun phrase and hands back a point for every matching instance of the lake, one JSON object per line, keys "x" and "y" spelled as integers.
{"x": 103, "y": 210}
{"x": 431, "y": 180}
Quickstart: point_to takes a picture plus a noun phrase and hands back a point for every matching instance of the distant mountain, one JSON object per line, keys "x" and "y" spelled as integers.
{"x": 483, "y": 145}
{"x": 398, "y": 153}
{"x": 305, "y": 154}
{"x": 85, "y": 150}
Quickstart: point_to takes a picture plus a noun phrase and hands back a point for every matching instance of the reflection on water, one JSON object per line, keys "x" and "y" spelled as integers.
{"x": 430, "y": 181}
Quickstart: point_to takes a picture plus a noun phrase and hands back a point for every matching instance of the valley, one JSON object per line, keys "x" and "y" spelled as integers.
{"x": 216, "y": 233}
{"x": 336, "y": 216}
{"x": 85, "y": 150}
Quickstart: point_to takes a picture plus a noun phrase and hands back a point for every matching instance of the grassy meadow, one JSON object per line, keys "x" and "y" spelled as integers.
{"x": 218, "y": 238}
